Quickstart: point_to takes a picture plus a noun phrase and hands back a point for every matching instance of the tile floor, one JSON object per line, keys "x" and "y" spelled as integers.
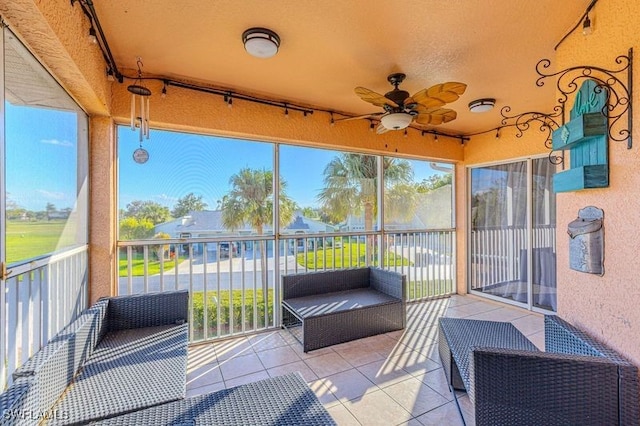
{"x": 391, "y": 379}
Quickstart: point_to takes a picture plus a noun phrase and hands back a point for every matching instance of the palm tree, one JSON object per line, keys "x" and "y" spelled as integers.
{"x": 250, "y": 201}
{"x": 351, "y": 186}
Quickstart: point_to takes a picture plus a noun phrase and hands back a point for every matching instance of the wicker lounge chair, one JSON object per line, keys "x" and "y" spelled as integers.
{"x": 576, "y": 381}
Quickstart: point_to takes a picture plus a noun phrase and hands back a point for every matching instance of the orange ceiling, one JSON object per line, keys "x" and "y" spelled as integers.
{"x": 329, "y": 47}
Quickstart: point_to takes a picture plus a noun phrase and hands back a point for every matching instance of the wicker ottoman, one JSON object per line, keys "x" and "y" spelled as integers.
{"x": 458, "y": 337}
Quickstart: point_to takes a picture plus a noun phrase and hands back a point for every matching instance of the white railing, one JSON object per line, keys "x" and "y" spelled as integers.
{"x": 39, "y": 298}
{"x": 498, "y": 255}
{"x": 232, "y": 281}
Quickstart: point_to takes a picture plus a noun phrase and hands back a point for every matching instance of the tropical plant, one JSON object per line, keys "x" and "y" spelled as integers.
{"x": 135, "y": 229}
{"x": 434, "y": 182}
{"x": 188, "y": 203}
{"x": 149, "y": 210}
{"x": 250, "y": 201}
{"x": 161, "y": 251}
{"x": 351, "y": 185}
{"x": 400, "y": 202}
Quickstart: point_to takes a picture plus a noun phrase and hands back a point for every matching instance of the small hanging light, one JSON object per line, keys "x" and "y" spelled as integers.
{"x": 137, "y": 89}
{"x": 586, "y": 25}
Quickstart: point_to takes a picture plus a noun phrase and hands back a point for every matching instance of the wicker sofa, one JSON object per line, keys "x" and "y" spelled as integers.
{"x": 575, "y": 381}
{"x": 120, "y": 355}
{"x": 330, "y": 307}
{"x": 123, "y": 361}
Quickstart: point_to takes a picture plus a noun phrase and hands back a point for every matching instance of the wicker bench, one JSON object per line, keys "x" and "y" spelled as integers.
{"x": 576, "y": 381}
{"x": 123, "y": 362}
{"x": 330, "y": 307}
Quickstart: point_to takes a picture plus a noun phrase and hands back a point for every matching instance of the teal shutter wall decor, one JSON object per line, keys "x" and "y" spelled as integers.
{"x": 585, "y": 136}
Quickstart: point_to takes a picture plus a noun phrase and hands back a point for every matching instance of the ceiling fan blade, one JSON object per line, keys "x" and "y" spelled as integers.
{"x": 435, "y": 117}
{"x": 381, "y": 129}
{"x": 422, "y": 99}
{"x": 440, "y": 94}
{"x": 360, "y": 117}
{"x": 374, "y": 98}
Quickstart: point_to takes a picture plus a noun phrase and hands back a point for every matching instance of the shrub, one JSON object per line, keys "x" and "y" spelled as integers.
{"x": 230, "y": 308}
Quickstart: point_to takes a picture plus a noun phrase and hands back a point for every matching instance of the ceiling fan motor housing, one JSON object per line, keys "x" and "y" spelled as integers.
{"x": 398, "y": 96}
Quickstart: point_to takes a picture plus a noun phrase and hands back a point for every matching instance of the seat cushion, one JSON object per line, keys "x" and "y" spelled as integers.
{"x": 129, "y": 370}
{"x": 322, "y": 304}
{"x": 282, "y": 400}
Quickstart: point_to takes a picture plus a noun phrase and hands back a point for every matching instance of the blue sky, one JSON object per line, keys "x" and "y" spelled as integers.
{"x": 40, "y": 143}
{"x": 181, "y": 163}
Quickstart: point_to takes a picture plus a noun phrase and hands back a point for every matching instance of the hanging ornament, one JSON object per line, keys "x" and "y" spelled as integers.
{"x": 139, "y": 91}
{"x": 140, "y": 155}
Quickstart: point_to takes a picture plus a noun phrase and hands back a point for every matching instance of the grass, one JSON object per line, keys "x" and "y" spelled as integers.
{"x": 350, "y": 255}
{"x": 137, "y": 265}
{"x": 26, "y": 240}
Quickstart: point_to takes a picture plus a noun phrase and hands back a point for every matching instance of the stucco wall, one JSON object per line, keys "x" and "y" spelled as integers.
{"x": 193, "y": 111}
{"x": 607, "y": 306}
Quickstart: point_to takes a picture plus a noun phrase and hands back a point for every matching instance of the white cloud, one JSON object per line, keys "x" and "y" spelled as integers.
{"x": 57, "y": 142}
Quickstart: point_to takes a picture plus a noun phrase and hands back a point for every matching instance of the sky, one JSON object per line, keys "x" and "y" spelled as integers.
{"x": 181, "y": 163}
{"x": 42, "y": 143}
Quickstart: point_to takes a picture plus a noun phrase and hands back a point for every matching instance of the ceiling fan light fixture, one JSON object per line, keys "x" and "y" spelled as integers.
{"x": 396, "y": 120}
{"x": 261, "y": 42}
{"x": 482, "y": 105}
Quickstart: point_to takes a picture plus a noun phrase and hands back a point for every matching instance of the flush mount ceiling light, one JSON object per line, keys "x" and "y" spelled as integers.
{"x": 261, "y": 42}
{"x": 482, "y": 105}
{"x": 396, "y": 120}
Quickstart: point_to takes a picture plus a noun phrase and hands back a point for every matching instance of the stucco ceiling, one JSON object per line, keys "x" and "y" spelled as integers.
{"x": 329, "y": 47}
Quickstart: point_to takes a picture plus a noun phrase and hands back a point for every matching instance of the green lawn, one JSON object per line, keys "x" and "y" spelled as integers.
{"x": 26, "y": 240}
{"x": 350, "y": 255}
{"x": 137, "y": 265}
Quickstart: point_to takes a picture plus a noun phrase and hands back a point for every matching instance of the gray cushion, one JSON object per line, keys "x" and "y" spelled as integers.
{"x": 129, "y": 370}
{"x": 321, "y": 304}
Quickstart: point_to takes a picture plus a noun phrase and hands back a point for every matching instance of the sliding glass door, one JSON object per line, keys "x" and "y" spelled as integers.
{"x": 512, "y": 240}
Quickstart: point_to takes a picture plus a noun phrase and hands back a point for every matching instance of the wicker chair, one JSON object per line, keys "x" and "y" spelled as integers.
{"x": 576, "y": 381}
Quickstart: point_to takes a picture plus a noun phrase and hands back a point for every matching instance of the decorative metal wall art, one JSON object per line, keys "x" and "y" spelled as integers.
{"x": 548, "y": 123}
{"x": 617, "y": 90}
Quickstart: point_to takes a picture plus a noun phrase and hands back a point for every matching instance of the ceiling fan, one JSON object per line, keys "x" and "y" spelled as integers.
{"x": 401, "y": 109}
